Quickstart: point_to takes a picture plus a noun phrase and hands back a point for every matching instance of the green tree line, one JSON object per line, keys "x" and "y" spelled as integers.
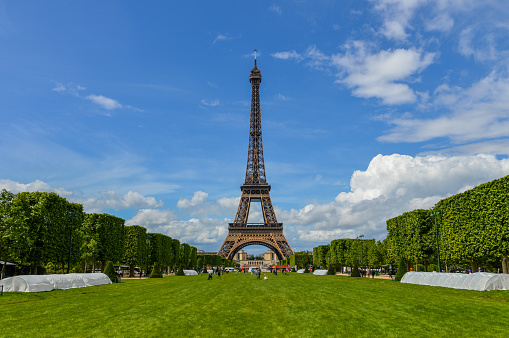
{"x": 466, "y": 230}
{"x": 41, "y": 230}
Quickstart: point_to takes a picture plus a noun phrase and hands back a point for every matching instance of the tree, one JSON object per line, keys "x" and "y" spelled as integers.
{"x": 110, "y": 272}
{"x": 6, "y": 236}
{"x": 401, "y": 269}
{"x": 135, "y": 247}
{"x": 193, "y": 258}
{"x": 41, "y": 228}
{"x": 156, "y": 271}
{"x": 185, "y": 251}
{"x": 175, "y": 245}
{"x": 104, "y": 238}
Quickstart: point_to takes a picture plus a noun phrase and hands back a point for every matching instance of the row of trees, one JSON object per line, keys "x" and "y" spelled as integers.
{"x": 40, "y": 229}
{"x": 350, "y": 252}
{"x": 301, "y": 260}
{"x": 466, "y": 230}
{"x": 470, "y": 229}
{"x": 214, "y": 260}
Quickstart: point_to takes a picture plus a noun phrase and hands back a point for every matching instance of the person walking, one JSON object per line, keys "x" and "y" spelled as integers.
{"x": 219, "y": 273}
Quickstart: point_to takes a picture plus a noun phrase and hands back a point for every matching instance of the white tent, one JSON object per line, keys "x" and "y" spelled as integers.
{"x": 190, "y": 273}
{"x": 39, "y": 283}
{"x": 301, "y": 270}
{"x": 320, "y": 272}
{"x": 479, "y": 281}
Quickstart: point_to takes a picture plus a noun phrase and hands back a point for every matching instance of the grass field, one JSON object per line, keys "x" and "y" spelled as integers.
{"x": 295, "y": 305}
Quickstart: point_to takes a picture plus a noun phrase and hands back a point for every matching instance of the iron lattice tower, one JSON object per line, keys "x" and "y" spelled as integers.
{"x": 255, "y": 189}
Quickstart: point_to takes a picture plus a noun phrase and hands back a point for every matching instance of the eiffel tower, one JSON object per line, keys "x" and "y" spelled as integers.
{"x": 255, "y": 189}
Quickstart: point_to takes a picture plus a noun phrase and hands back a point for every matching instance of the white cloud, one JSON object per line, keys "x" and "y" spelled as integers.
{"x": 108, "y": 200}
{"x": 396, "y": 15}
{"x": 381, "y": 74}
{"x": 495, "y": 147}
{"x": 104, "y": 101}
{"x": 198, "y": 198}
{"x": 37, "y": 185}
{"x": 210, "y": 103}
{"x": 484, "y": 50}
{"x": 69, "y": 88}
{"x": 289, "y": 55}
{"x": 478, "y": 112}
{"x": 275, "y": 9}
{"x": 194, "y": 231}
{"x": 222, "y": 37}
{"x": 389, "y": 186}
{"x": 152, "y": 218}
{"x": 442, "y": 22}
{"x": 281, "y": 97}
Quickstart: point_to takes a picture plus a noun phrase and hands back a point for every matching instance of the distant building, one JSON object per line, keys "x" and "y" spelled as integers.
{"x": 269, "y": 258}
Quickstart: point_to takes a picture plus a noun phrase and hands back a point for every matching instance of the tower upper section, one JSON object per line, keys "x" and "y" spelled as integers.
{"x": 255, "y": 170}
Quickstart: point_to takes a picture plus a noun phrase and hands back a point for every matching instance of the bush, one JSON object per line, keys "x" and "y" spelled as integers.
{"x": 355, "y": 271}
{"x": 180, "y": 271}
{"x": 306, "y": 270}
{"x": 110, "y": 272}
{"x": 156, "y": 271}
{"x": 401, "y": 270}
{"x": 432, "y": 267}
{"x": 331, "y": 270}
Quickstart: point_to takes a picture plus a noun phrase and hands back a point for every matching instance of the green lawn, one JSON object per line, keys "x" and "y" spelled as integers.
{"x": 295, "y": 305}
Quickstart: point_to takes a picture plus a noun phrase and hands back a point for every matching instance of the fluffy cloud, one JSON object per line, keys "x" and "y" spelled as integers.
{"x": 198, "y": 198}
{"x": 380, "y": 74}
{"x": 194, "y": 231}
{"x": 389, "y": 186}
{"x": 108, "y": 200}
{"x": 396, "y": 15}
{"x": 478, "y": 112}
{"x": 370, "y": 74}
{"x": 37, "y": 185}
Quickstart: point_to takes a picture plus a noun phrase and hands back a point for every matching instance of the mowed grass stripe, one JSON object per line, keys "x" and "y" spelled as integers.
{"x": 295, "y": 305}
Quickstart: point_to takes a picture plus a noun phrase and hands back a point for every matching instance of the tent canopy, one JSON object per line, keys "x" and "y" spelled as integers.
{"x": 479, "y": 281}
{"x": 39, "y": 283}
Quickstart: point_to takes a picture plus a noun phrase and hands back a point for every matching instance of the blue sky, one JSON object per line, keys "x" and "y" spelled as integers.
{"x": 141, "y": 110}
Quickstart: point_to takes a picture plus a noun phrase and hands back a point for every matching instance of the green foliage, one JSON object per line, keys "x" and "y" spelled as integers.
{"x": 410, "y": 236}
{"x": 175, "y": 250}
{"x": 193, "y": 258}
{"x": 180, "y": 271}
{"x": 320, "y": 255}
{"x": 110, "y": 272}
{"x": 156, "y": 271}
{"x": 331, "y": 270}
{"x": 185, "y": 253}
{"x": 7, "y": 236}
{"x": 301, "y": 259}
{"x": 135, "y": 246}
{"x": 41, "y": 228}
{"x": 401, "y": 269}
{"x": 355, "y": 271}
{"x": 475, "y": 224}
{"x": 45, "y": 230}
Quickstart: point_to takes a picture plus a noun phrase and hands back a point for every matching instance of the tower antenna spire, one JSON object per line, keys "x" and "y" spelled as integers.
{"x": 255, "y": 58}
